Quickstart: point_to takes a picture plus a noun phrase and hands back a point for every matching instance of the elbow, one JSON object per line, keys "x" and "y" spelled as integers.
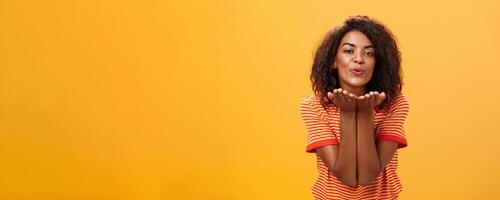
{"x": 351, "y": 183}
{"x": 344, "y": 177}
{"x": 365, "y": 182}
{"x": 368, "y": 178}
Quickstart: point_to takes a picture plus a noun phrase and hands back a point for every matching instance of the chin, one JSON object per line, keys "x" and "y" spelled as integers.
{"x": 358, "y": 83}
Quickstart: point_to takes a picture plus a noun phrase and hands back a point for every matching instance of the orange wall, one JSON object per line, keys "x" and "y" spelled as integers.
{"x": 199, "y": 100}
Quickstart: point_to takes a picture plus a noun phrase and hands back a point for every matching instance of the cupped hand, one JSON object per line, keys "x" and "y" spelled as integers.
{"x": 343, "y": 99}
{"x": 370, "y": 100}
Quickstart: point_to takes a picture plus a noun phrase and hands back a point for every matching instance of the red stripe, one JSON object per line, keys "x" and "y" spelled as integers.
{"x": 311, "y": 148}
{"x": 401, "y": 142}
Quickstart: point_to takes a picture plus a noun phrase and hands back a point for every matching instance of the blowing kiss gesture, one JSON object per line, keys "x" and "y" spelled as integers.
{"x": 349, "y": 102}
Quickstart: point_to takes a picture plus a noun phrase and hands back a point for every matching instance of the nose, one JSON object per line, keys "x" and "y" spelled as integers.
{"x": 358, "y": 58}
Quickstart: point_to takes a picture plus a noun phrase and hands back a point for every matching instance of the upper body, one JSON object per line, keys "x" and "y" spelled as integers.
{"x": 355, "y": 119}
{"x": 323, "y": 125}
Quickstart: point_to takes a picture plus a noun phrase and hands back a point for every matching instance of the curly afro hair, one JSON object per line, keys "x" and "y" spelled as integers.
{"x": 387, "y": 75}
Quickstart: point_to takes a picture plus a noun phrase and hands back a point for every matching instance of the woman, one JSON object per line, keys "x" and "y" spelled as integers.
{"x": 355, "y": 119}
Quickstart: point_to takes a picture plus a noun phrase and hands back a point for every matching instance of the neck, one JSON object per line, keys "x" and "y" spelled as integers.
{"x": 358, "y": 91}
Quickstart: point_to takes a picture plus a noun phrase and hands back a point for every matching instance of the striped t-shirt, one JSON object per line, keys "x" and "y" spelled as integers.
{"x": 323, "y": 128}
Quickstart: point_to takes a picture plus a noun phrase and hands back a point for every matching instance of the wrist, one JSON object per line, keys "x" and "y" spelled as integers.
{"x": 366, "y": 112}
{"x": 348, "y": 111}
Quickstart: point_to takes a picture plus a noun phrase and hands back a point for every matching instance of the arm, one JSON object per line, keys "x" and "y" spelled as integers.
{"x": 341, "y": 159}
{"x": 345, "y": 167}
{"x": 368, "y": 160}
{"x": 372, "y": 156}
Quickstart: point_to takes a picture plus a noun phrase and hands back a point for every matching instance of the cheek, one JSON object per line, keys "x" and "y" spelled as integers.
{"x": 371, "y": 71}
{"x": 342, "y": 61}
{"x": 371, "y": 64}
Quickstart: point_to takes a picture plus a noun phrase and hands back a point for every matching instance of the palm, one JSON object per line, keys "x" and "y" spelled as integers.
{"x": 369, "y": 101}
{"x": 343, "y": 99}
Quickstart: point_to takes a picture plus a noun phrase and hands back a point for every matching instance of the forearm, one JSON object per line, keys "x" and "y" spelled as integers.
{"x": 345, "y": 166}
{"x": 368, "y": 162}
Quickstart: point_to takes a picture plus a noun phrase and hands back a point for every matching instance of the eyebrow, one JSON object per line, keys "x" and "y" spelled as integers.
{"x": 366, "y": 47}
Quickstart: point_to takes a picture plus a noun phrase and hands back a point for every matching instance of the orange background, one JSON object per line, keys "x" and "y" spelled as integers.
{"x": 199, "y": 99}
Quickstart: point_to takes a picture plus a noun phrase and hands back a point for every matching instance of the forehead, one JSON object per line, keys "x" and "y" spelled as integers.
{"x": 357, "y": 38}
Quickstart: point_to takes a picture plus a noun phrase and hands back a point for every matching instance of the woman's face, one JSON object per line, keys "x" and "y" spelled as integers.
{"x": 355, "y": 61}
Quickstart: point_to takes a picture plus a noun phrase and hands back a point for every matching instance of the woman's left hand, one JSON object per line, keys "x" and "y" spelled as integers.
{"x": 369, "y": 101}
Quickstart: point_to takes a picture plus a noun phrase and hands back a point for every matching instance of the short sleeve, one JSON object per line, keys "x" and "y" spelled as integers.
{"x": 318, "y": 132}
{"x": 392, "y": 127}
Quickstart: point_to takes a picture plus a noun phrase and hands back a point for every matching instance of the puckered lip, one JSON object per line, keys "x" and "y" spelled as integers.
{"x": 357, "y": 70}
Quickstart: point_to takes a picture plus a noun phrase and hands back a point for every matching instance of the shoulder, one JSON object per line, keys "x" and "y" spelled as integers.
{"x": 310, "y": 100}
{"x": 314, "y": 102}
{"x": 311, "y": 104}
{"x": 399, "y": 104}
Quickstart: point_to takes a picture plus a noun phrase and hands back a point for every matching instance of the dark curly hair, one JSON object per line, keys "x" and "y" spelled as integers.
{"x": 387, "y": 75}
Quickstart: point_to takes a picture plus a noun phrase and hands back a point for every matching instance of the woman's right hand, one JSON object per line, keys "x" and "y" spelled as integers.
{"x": 343, "y": 99}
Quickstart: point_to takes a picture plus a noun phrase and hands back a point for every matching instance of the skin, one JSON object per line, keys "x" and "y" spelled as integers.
{"x": 358, "y": 159}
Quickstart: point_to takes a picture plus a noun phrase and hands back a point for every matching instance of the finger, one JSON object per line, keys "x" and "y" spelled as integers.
{"x": 381, "y": 98}
{"x": 334, "y": 92}
{"x": 345, "y": 92}
{"x": 372, "y": 98}
{"x": 382, "y": 95}
{"x": 352, "y": 98}
{"x": 346, "y": 97}
{"x": 342, "y": 96}
{"x": 366, "y": 99}
{"x": 376, "y": 96}
{"x": 329, "y": 96}
{"x": 336, "y": 97}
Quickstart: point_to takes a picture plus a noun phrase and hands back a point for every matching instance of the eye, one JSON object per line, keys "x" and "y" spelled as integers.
{"x": 371, "y": 54}
{"x": 349, "y": 51}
